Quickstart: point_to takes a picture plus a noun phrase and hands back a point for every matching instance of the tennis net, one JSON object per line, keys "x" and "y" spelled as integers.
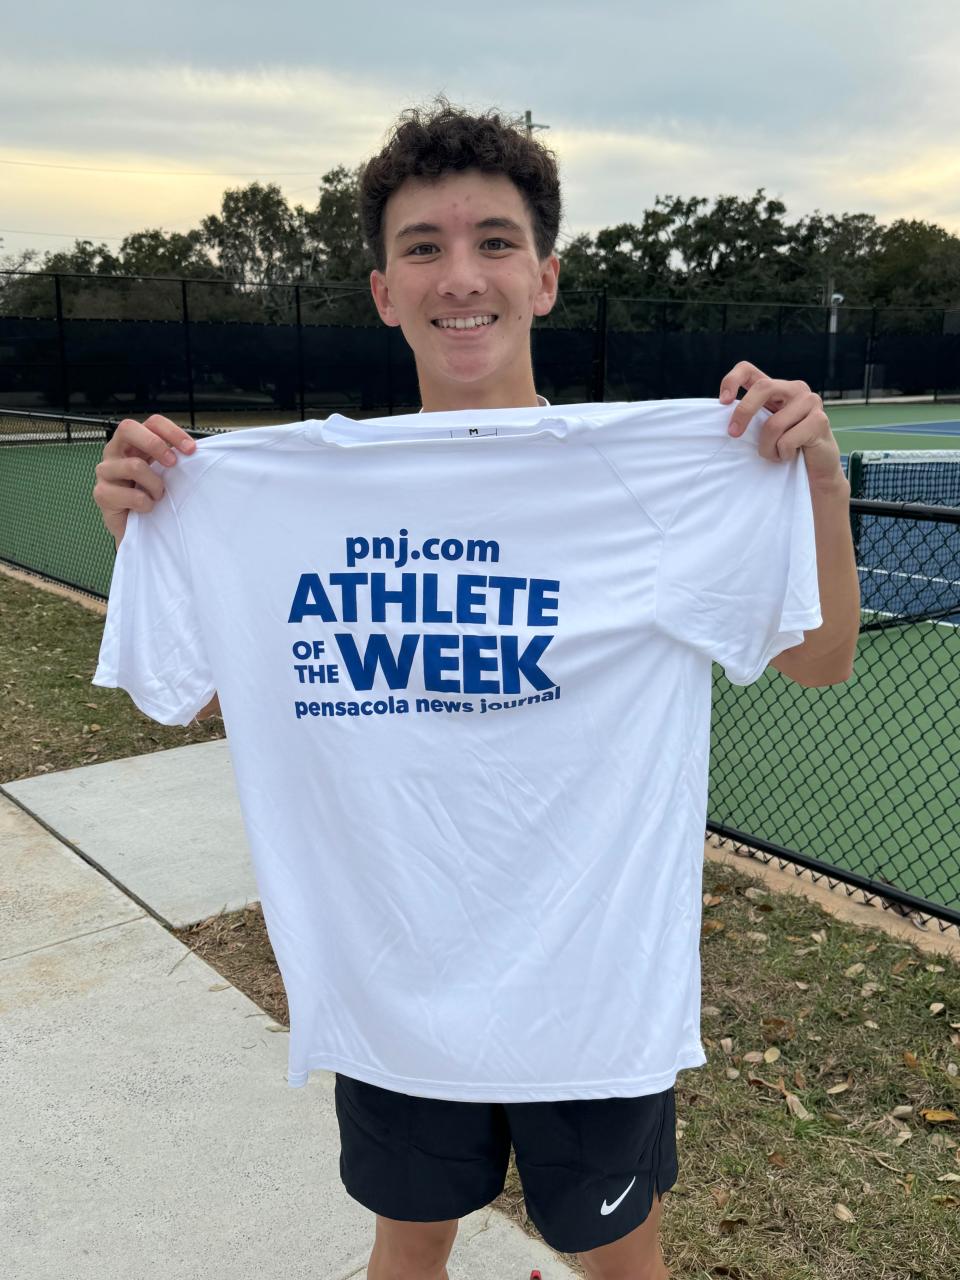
{"x": 909, "y": 568}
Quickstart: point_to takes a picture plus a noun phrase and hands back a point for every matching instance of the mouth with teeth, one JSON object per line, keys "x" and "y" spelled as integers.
{"x": 460, "y": 323}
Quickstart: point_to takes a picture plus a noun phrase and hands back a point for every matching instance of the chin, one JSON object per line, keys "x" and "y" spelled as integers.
{"x": 471, "y": 370}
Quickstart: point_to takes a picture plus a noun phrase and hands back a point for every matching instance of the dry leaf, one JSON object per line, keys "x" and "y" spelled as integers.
{"x": 753, "y": 1056}
{"x": 936, "y": 1115}
{"x": 711, "y": 900}
{"x": 771, "y": 1054}
{"x": 775, "y": 1158}
{"x": 934, "y": 968}
{"x": 803, "y": 986}
{"x": 843, "y": 1213}
{"x": 797, "y": 1108}
{"x": 711, "y": 926}
{"x": 720, "y": 1196}
{"x": 854, "y": 970}
{"x": 729, "y": 1225}
{"x": 871, "y": 1024}
{"x": 840, "y": 1088}
{"x": 902, "y": 1111}
{"x": 732, "y": 1073}
{"x": 758, "y": 937}
{"x": 949, "y": 1177}
{"x": 820, "y": 936}
{"x": 754, "y": 894}
{"x": 937, "y": 1007}
{"x": 726, "y": 1044}
{"x": 710, "y": 1011}
{"x": 911, "y": 1060}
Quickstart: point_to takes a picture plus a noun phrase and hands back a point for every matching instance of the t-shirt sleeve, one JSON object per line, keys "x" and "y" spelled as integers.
{"x": 152, "y": 644}
{"x": 737, "y": 578}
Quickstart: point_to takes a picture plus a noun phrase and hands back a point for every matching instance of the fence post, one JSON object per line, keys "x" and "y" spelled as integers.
{"x": 303, "y": 412}
{"x": 61, "y": 343}
{"x": 186, "y": 344}
{"x": 600, "y": 348}
{"x": 938, "y": 359}
{"x": 826, "y": 354}
{"x": 868, "y": 371}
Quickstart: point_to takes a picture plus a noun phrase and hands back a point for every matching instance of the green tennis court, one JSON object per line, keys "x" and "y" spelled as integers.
{"x": 895, "y": 426}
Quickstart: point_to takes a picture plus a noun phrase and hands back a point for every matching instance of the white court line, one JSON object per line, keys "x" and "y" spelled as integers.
{"x": 906, "y": 427}
{"x": 895, "y": 573}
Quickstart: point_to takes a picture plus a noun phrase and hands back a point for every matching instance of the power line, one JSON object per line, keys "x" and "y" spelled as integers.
{"x": 18, "y": 231}
{"x": 166, "y": 173}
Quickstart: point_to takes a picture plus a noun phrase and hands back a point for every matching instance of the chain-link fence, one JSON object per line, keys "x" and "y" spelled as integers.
{"x": 857, "y": 782}
{"x": 122, "y": 345}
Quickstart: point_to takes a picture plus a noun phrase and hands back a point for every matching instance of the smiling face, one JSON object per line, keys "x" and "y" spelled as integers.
{"x": 463, "y": 282}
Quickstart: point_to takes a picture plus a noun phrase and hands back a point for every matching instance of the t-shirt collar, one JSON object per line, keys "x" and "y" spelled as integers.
{"x": 541, "y": 400}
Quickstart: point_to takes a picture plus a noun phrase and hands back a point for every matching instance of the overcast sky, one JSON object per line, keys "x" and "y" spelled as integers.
{"x": 842, "y": 106}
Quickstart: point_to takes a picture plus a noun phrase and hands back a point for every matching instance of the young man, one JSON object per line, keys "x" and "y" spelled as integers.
{"x": 461, "y": 214}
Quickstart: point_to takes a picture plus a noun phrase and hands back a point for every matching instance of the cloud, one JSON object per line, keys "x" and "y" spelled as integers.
{"x": 822, "y": 110}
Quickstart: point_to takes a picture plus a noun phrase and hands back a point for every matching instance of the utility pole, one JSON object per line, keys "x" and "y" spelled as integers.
{"x": 530, "y": 126}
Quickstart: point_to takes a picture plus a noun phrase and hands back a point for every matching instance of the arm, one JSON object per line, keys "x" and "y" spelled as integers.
{"x": 798, "y": 422}
{"x": 827, "y": 654}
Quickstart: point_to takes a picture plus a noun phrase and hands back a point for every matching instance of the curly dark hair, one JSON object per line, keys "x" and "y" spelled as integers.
{"x": 446, "y": 139}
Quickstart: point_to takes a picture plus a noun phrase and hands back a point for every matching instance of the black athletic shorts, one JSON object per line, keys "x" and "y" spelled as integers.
{"x": 589, "y": 1167}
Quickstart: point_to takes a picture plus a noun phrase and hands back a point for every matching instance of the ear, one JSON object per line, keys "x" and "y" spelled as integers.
{"x": 381, "y": 297}
{"x": 547, "y": 292}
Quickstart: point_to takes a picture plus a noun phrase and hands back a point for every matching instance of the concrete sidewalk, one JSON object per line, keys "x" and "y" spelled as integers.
{"x": 148, "y": 1129}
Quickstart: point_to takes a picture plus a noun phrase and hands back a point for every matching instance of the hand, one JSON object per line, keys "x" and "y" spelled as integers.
{"x": 798, "y": 421}
{"x": 125, "y": 481}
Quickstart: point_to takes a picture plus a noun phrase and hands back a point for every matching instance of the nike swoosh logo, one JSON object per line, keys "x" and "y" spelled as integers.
{"x": 609, "y": 1208}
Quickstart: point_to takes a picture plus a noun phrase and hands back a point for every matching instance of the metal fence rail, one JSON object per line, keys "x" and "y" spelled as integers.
{"x": 858, "y": 782}
{"x": 118, "y": 346}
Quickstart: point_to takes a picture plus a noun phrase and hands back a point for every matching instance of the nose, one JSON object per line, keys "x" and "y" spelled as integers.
{"x": 462, "y": 274}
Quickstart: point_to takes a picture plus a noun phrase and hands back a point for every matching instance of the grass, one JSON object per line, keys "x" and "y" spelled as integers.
{"x": 820, "y": 1142}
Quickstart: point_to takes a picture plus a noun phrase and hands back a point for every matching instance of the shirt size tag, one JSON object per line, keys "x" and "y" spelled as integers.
{"x": 474, "y": 431}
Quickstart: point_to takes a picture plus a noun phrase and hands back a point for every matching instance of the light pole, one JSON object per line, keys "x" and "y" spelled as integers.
{"x": 835, "y": 301}
{"x": 530, "y": 126}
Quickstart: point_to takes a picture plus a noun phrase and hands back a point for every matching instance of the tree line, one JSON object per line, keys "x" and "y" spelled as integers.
{"x": 727, "y": 249}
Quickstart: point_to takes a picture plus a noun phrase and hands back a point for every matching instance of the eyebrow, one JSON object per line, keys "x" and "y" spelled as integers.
{"x": 430, "y": 228}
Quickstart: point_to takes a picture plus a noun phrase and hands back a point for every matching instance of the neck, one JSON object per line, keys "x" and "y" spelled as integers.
{"x": 509, "y": 393}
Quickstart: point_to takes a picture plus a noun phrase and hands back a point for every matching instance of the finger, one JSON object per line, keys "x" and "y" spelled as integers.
{"x": 760, "y": 393}
{"x": 802, "y": 407}
{"x": 117, "y": 499}
{"x": 744, "y": 375}
{"x": 117, "y": 475}
{"x": 790, "y": 442}
{"x": 152, "y": 438}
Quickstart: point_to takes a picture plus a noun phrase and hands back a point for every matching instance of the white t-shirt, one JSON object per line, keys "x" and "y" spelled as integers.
{"x": 464, "y": 667}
